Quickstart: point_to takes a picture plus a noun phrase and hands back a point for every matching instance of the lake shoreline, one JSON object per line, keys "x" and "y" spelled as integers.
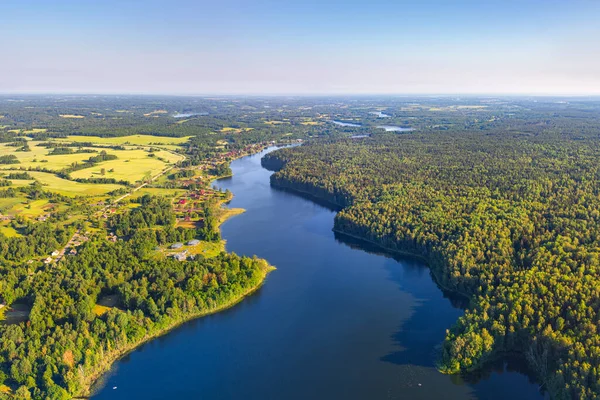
{"x": 494, "y": 356}
{"x": 93, "y": 379}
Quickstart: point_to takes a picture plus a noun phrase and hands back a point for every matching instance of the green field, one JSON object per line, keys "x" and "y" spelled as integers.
{"x": 69, "y": 188}
{"x": 31, "y": 209}
{"x": 131, "y": 165}
{"x": 37, "y": 153}
{"x": 38, "y": 157}
{"x": 144, "y": 140}
{"x": 8, "y": 230}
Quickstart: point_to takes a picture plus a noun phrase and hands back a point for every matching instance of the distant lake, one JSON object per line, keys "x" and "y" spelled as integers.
{"x": 379, "y": 114}
{"x": 340, "y": 123}
{"x": 186, "y": 115}
{"x": 337, "y": 320}
{"x": 393, "y": 128}
{"x": 359, "y": 136}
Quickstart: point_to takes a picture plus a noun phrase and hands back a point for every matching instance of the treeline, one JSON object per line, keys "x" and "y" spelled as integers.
{"x": 513, "y": 222}
{"x": 9, "y": 159}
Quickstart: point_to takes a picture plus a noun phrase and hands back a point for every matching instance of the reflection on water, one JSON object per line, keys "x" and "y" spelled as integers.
{"x": 337, "y": 319}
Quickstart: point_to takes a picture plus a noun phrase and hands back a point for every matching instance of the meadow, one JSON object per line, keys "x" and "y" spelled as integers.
{"x": 66, "y": 187}
{"x": 131, "y": 165}
{"x": 142, "y": 140}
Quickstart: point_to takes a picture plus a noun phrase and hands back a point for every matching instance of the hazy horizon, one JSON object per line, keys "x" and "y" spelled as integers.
{"x": 301, "y": 48}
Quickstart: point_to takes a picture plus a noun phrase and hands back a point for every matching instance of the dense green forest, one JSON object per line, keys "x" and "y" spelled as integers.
{"x": 500, "y": 195}
{"x": 65, "y": 343}
{"x": 509, "y": 218}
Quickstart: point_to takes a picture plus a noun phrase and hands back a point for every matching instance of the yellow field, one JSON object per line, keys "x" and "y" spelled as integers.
{"x": 72, "y": 116}
{"x": 131, "y": 166}
{"x": 156, "y": 112}
{"x": 311, "y": 123}
{"x": 70, "y": 188}
{"x": 28, "y": 131}
{"x": 31, "y": 209}
{"x": 143, "y": 140}
{"x": 55, "y": 163}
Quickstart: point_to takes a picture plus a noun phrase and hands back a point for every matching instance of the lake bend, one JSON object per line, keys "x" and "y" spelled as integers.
{"x": 337, "y": 319}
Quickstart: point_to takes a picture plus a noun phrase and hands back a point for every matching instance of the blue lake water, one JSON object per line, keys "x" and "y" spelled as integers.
{"x": 336, "y": 320}
{"x": 393, "y": 128}
{"x": 340, "y": 123}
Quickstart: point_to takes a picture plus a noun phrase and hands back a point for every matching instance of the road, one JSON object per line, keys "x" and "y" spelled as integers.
{"x": 64, "y": 249}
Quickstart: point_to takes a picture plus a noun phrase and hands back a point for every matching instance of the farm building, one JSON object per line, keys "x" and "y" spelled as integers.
{"x": 177, "y": 245}
{"x": 193, "y": 242}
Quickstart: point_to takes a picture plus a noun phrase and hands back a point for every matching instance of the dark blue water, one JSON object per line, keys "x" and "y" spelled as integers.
{"x": 334, "y": 321}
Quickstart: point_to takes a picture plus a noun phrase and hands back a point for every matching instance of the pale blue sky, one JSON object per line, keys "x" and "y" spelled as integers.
{"x": 300, "y": 47}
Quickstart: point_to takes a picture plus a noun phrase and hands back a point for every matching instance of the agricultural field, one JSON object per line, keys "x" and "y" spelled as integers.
{"x": 142, "y": 140}
{"x": 66, "y": 187}
{"x": 131, "y": 165}
{"x": 38, "y": 157}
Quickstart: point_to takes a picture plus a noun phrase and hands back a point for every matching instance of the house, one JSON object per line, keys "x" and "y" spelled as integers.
{"x": 55, "y": 253}
{"x": 182, "y": 201}
{"x": 193, "y": 242}
{"x": 181, "y": 256}
{"x": 48, "y": 260}
{"x": 73, "y": 252}
{"x": 177, "y": 245}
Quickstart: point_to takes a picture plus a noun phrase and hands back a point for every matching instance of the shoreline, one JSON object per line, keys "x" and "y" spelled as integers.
{"x": 117, "y": 355}
{"x": 494, "y": 356}
{"x": 94, "y": 379}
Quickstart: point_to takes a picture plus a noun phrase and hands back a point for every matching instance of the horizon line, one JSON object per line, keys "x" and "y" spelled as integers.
{"x": 333, "y": 94}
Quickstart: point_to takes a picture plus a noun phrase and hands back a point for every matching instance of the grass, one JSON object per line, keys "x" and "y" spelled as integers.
{"x": 133, "y": 140}
{"x": 31, "y": 209}
{"x": 207, "y": 249}
{"x": 9, "y": 231}
{"x": 70, "y": 188}
{"x": 100, "y": 310}
{"x": 10, "y": 202}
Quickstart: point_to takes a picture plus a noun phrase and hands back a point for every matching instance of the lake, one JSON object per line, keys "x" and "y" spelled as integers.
{"x": 340, "y": 123}
{"x": 187, "y": 115}
{"x": 335, "y": 320}
{"x": 379, "y": 114}
{"x": 393, "y": 128}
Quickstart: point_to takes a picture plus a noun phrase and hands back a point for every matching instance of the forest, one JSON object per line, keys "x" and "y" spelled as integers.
{"x": 499, "y": 195}
{"x": 508, "y": 218}
{"x": 69, "y": 339}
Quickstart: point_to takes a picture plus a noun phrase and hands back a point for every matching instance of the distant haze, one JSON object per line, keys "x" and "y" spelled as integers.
{"x": 300, "y": 47}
